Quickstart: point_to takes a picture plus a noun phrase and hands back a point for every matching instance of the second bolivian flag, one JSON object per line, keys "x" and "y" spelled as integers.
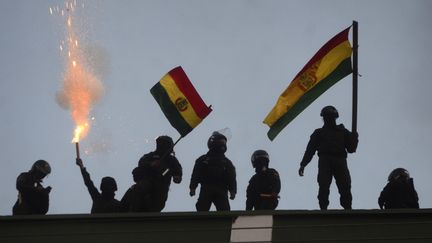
{"x": 330, "y": 64}
{"x": 179, "y": 101}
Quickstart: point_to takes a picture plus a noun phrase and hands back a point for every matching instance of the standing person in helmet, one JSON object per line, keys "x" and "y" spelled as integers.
{"x": 216, "y": 174}
{"x": 263, "y": 190}
{"x": 33, "y": 198}
{"x": 102, "y": 202}
{"x": 399, "y": 191}
{"x": 332, "y": 142}
{"x": 158, "y": 169}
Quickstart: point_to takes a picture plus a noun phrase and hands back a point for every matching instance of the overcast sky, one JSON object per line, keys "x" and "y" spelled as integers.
{"x": 240, "y": 55}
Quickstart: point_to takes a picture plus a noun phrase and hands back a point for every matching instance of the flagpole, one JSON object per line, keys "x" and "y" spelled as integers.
{"x": 355, "y": 75}
{"x": 177, "y": 140}
{"x": 168, "y": 152}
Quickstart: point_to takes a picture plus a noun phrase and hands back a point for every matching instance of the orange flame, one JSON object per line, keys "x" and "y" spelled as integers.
{"x": 81, "y": 88}
{"x": 80, "y": 131}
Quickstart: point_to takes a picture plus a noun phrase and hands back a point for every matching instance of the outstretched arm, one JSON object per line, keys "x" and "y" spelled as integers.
{"x": 94, "y": 193}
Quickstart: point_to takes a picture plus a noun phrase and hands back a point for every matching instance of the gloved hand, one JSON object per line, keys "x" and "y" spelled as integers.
{"x": 192, "y": 192}
{"x": 48, "y": 189}
{"x": 301, "y": 171}
{"x": 79, "y": 163}
{"x": 232, "y": 195}
{"x": 177, "y": 179}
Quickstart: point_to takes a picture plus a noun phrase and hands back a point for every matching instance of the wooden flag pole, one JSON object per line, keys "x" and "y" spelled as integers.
{"x": 355, "y": 75}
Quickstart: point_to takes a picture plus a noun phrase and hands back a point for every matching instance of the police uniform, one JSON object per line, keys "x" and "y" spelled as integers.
{"x": 399, "y": 194}
{"x": 33, "y": 198}
{"x": 216, "y": 175}
{"x": 157, "y": 175}
{"x": 102, "y": 202}
{"x": 263, "y": 189}
{"x": 332, "y": 144}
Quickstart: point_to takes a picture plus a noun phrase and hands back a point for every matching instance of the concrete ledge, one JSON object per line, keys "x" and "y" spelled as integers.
{"x": 288, "y": 226}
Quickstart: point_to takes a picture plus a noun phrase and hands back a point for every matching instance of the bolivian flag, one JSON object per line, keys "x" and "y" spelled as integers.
{"x": 329, "y": 65}
{"x": 179, "y": 101}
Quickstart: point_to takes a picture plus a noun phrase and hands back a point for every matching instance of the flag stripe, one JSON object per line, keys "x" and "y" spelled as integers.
{"x": 186, "y": 87}
{"x": 317, "y": 73}
{"x": 332, "y": 43}
{"x": 170, "y": 110}
{"x": 341, "y": 71}
{"x": 176, "y": 96}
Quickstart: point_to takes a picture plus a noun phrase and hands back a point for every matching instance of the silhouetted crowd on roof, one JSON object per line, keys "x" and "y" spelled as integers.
{"x": 215, "y": 174}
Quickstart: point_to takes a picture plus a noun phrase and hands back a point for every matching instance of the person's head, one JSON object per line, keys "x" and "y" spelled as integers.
{"x": 329, "y": 114}
{"x": 260, "y": 160}
{"x": 399, "y": 174}
{"x": 217, "y": 143}
{"x": 108, "y": 185}
{"x": 164, "y": 144}
{"x": 40, "y": 169}
{"x": 137, "y": 174}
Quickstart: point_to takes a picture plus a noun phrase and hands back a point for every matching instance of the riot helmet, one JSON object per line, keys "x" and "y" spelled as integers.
{"x": 260, "y": 160}
{"x": 330, "y": 112}
{"x": 138, "y": 174}
{"x": 259, "y": 157}
{"x": 217, "y": 142}
{"x": 399, "y": 174}
{"x": 164, "y": 143}
{"x": 42, "y": 167}
{"x": 108, "y": 184}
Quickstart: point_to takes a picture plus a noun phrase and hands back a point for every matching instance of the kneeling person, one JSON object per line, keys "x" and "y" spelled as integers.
{"x": 263, "y": 190}
{"x": 399, "y": 191}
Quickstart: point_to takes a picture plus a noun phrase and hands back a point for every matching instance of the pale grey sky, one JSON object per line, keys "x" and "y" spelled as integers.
{"x": 240, "y": 55}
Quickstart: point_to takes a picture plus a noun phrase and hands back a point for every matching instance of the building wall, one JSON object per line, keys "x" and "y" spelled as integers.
{"x": 238, "y": 226}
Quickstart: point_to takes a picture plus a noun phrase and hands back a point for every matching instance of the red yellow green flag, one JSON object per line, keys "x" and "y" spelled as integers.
{"x": 179, "y": 101}
{"x": 329, "y": 65}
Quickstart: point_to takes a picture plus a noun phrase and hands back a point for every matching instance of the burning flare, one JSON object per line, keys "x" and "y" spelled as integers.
{"x": 81, "y": 89}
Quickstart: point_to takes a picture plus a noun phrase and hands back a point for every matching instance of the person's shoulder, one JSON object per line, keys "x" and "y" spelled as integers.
{"x": 147, "y": 156}
{"x": 272, "y": 170}
{"x": 253, "y": 178}
{"x": 23, "y": 176}
{"x": 317, "y": 131}
{"x": 342, "y": 127}
{"x": 201, "y": 159}
{"x": 228, "y": 161}
{"x": 150, "y": 154}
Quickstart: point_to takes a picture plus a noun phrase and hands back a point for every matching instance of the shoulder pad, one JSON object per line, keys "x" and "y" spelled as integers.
{"x": 271, "y": 170}
{"x": 201, "y": 159}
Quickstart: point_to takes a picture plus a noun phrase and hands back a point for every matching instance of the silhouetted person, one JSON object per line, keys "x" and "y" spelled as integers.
{"x": 216, "y": 174}
{"x": 33, "y": 198}
{"x": 332, "y": 143}
{"x": 263, "y": 190}
{"x": 159, "y": 168}
{"x": 399, "y": 191}
{"x": 137, "y": 198}
{"x": 104, "y": 201}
